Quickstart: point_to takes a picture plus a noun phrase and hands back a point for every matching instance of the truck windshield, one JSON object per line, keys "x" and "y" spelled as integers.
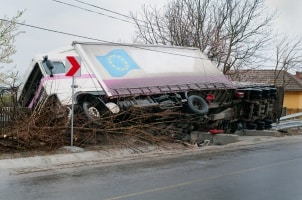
{"x": 58, "y": 68}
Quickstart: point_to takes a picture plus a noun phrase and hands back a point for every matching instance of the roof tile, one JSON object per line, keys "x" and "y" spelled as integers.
{"x": 276, "y": 77}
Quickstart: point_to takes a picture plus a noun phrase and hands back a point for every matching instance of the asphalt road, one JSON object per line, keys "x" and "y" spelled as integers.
{"x": 270, "y": 171}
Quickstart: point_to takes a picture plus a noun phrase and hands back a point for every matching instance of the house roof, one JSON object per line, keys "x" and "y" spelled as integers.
{"x": 278, "y": 78}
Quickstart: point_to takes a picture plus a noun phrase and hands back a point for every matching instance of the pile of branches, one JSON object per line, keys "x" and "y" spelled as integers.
{"x": 50, "y": 129}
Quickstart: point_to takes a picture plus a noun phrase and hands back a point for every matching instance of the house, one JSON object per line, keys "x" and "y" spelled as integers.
{"x": 292, "y": 84}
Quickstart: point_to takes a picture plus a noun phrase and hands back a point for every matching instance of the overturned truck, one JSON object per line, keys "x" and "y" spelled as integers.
{"x": 117, "y": 77}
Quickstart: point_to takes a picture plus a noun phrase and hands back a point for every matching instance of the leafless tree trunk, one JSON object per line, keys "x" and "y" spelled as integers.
{"x": 230, "y": 32}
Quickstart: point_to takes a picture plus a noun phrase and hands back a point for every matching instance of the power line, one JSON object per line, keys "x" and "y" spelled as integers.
{"x": 99, "y": 40}
{"x": 111, "y": 11}
{"x": 105, "y": 9}
{"x": 99, "y": 13}
{"x": 101, "y": 8}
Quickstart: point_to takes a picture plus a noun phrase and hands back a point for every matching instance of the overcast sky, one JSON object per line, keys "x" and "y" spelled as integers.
{"x": 290, "y": 15}
{"x": 53, "y": 15}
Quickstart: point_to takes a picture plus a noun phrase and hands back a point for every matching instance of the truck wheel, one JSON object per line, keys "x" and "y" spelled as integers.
{"x": 251, "y": 126}
{"x": 260, "y": 125}
{"x": 198, "y": 105}
{"x": 268, "y": 121}
{"x": 91, "y": 110}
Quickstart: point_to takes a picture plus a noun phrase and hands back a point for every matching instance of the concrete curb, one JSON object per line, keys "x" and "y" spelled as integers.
{"x": 217, "y": 139}
{"x": 246, "y": 132}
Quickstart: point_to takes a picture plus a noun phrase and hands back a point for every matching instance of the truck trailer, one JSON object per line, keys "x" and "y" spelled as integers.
{"x": 115, "y": 77}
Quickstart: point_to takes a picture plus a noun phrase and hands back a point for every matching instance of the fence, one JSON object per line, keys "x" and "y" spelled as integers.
{"x": 10, "y": 115}
{"x": 6, "y": 114}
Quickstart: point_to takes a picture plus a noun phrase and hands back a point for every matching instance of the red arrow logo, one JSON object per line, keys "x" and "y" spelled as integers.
{"x": 75, "y": 66}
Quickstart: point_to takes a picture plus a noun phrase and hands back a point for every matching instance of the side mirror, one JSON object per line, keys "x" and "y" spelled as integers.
{"x": 48, "y": 64}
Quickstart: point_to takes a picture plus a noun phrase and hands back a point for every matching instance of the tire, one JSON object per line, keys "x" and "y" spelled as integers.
{"x": 235, "y": 127}
{"x": 266, "y": 93}
{"x": 260, "y": 128}
{"x": 91, "y": 110}
{"x": 198, "y": 105}
{"x": 251, "y": 126}
{"x": 268, "y": 121}
{"x": 255, "y": 91}
{"x": 260, "y": 125}
{"x": 256, "y": 94}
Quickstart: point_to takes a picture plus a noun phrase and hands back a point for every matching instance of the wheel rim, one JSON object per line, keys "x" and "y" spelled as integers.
{"x": 94, "y": 112}
{"x": 91, "y": 111}
{"x": 197, "y": 105}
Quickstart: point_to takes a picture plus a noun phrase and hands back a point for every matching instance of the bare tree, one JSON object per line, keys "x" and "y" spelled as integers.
{"x": 8, "y": 33}
{"x": 288, "y": 57}
{"x": 230, "y": 33}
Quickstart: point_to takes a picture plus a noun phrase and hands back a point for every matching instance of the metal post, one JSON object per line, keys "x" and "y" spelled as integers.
{"x": 72, "y": 111}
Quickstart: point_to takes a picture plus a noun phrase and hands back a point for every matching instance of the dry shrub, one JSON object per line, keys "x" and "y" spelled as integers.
{"x": 49, "y": 128}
